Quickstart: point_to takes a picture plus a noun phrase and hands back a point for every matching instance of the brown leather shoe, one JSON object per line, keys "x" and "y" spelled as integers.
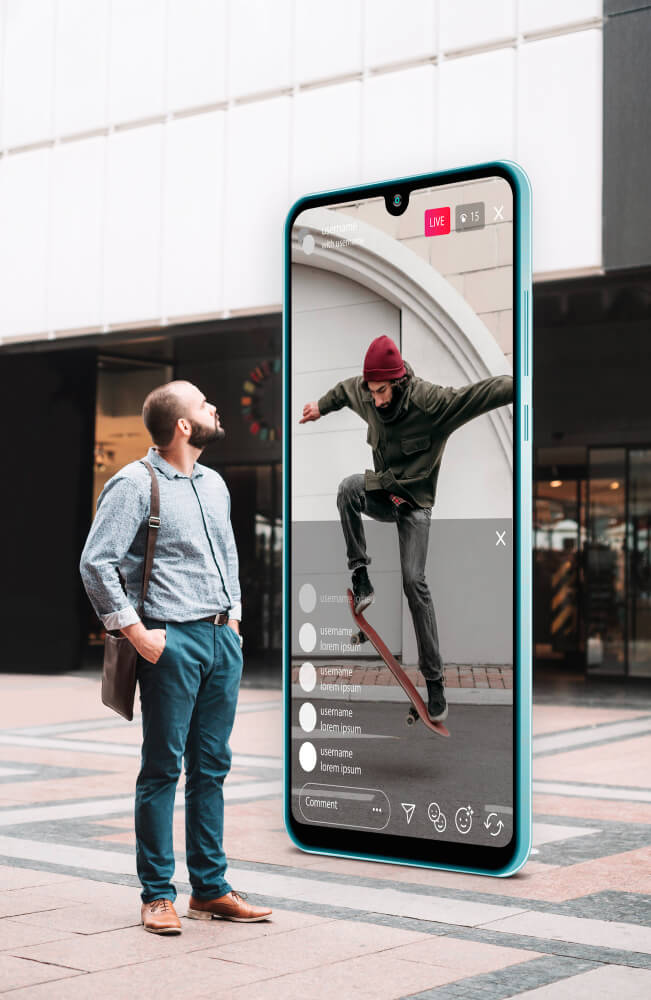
{"x": 232, "y": 906}
{"x": 160, "y": 917}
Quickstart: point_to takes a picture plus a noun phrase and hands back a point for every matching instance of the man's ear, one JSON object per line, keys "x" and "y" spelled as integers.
{"x": 184, "y": 426}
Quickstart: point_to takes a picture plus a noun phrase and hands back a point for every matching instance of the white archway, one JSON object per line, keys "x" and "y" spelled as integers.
{"x": 383, "y": 264}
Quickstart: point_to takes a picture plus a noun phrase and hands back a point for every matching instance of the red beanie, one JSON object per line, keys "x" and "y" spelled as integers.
{"x": 383, "y": 361}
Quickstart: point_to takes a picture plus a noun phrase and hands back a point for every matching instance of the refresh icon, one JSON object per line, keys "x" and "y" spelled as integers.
{"x": 493, "y": 824}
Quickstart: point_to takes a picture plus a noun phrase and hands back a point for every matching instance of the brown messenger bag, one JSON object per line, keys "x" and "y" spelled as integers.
{"x": 120, "y": 656}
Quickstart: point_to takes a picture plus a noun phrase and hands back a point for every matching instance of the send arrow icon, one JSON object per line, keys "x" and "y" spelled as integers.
{"x": 409, "y": 809}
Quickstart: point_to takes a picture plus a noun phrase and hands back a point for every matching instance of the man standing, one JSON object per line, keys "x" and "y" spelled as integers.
{"x": 190, "y": 659}
{"x": 409, "y": 421}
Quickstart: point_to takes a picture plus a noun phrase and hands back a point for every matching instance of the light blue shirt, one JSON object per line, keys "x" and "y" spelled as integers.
{"x": 195, "y": 570}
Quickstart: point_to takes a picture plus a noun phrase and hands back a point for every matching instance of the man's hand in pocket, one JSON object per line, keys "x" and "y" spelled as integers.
{"x": 150, "y": 642}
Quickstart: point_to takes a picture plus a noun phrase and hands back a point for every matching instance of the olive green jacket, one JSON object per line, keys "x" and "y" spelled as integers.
{"x": 407, "y": 449}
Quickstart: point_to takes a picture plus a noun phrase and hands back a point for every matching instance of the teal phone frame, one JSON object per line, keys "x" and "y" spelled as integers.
{"x": 522, "y": 445}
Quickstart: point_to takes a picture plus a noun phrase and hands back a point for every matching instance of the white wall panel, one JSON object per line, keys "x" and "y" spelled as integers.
{"x": 559, "y": 145}
{"x": 329, "y": 456}
{"x": 3, "y": 18}
{"x": 132, "y": 234}
{"x": 193, "y": 224}
{"x": 328, "y": 39}
{"x": 24, "y": 183}
{"x": 326, "y": 148}
{"x": 394, "y": 33}
{"x": 477, "y": 109}
{"x": 257, "y": 201}
{"x": 80, "y": 89}
{"x": 28, "y": 68}
{"x": 196, "y": 56}
{"x": 333, "y": 337}
{"x": 137, "y": 57}
{"x": 398, "y": 123}
{"x": 116, "y": 52}
{"x": 464, "y": 23}
{"x": 259, "y": 46}
{"x": 74, "y": 278}
{"x": 536, "y": 15}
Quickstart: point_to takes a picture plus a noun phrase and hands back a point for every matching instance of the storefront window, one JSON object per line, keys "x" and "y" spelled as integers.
{"x": 605, "y": 562}
{"x": 556, "y": 566}
{"x": 558, "y": 539}
{"x": 639, "y": 562}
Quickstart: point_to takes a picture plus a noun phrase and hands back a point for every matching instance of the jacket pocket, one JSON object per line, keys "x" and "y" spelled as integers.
{"x": 411, "y": 446}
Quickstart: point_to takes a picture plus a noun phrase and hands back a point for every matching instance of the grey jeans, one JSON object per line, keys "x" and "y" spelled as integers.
{"x": 353, "y": 500}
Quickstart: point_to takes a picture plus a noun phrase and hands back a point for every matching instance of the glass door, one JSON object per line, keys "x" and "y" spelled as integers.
{"x": 605, "y": 558}
{"x": 556, "y": 567}
{"x": 639, "y": 562}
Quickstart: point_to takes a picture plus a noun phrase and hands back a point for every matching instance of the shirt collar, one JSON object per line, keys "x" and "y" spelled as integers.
{"x": 168, "y": 470}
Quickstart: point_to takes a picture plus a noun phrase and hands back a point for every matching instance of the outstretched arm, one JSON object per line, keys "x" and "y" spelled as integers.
{"x": 310, "y": 412}
{"x": 346, "y": 393}
{"x": 451, "y": 408}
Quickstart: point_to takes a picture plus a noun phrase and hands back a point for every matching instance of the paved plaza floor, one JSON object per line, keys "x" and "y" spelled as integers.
{"x": 574, "y": 923}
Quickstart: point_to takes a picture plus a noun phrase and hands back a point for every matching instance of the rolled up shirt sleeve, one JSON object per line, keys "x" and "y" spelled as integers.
{"x": 233, "y": 569}
{"x": 120, "y": 513}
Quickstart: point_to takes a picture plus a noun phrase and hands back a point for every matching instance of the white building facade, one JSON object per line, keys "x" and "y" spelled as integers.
{"x": 150, "y": 149}
{"x": 149, "y": 153}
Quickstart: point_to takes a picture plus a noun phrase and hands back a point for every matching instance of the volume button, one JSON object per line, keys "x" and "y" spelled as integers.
{"x": 525, "y": 422}
{"x": 525, "y": 331}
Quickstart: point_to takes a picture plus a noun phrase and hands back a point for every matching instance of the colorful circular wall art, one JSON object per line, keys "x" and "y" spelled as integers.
{"x": 253, "y": 394}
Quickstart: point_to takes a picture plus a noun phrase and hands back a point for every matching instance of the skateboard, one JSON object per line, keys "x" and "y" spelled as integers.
{"x": 418, "y": 708}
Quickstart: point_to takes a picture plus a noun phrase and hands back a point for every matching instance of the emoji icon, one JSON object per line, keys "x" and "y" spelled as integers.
{"x": 437, "y": 817}
{"x": 463, "y": 819}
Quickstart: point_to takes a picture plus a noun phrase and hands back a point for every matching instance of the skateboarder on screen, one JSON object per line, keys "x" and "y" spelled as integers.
{"x": 409, "y": 421}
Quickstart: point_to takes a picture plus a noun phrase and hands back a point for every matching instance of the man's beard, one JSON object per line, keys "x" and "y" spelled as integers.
{"x": 202, "y": 435}
{"x": 389, "y": 409}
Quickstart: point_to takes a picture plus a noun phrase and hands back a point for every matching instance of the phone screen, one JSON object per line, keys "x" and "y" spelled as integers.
{"x": 400, "y": 466}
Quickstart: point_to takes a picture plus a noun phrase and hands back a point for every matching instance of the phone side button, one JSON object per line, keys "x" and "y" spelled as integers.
{"x": 525, "y": 330}
{"x": 525, "y": 422}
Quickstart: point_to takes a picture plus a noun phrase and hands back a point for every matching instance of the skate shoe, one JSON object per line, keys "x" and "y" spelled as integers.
{"x": 363, "y": 593}
{"x": 437, "y": 707}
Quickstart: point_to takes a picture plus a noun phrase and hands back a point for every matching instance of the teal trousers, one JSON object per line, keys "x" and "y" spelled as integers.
{"x": 188, "y": 699}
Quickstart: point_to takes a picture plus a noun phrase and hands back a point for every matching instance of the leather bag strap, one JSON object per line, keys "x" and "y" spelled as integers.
{"x": 152, "y": 531}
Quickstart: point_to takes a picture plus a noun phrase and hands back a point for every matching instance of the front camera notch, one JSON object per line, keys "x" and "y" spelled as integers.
{"x": 396, "y": 201}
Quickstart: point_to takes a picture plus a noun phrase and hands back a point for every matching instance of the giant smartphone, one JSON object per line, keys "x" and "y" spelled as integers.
{"x": 407, "y": 505}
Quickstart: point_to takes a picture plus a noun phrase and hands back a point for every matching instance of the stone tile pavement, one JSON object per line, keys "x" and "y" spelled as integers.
{"x": 574, "y": 923}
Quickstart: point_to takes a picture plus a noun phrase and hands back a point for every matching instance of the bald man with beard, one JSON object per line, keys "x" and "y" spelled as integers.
{"x": 189, "y": 645}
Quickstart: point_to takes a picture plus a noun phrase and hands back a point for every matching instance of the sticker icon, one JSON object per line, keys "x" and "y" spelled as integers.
{"x": 437, "y": 817}
{"x": 463, "y": 819}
